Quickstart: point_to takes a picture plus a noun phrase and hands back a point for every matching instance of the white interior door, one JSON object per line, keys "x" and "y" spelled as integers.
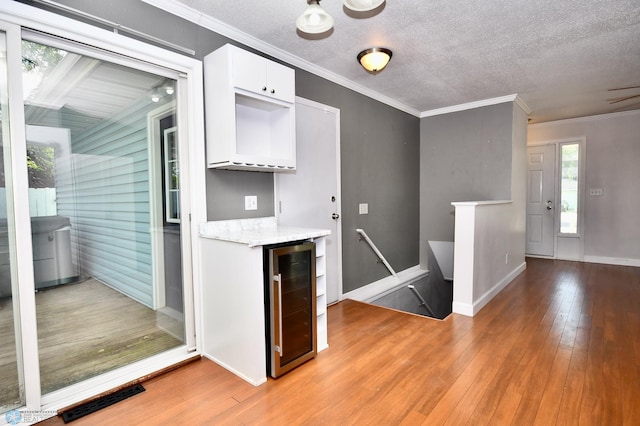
{"x": 540, "y": 200}
{"x": 310, "y": 197}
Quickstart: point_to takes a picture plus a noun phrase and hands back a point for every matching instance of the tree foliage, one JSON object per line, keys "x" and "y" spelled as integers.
{"x": 38, "y": 57}
{"x": 41, "y": 166}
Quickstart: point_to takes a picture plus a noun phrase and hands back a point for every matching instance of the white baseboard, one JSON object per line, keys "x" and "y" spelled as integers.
{"x": 612, "y": 261}
{"x": 471, "y": 310}
{"x": 236, "y": 372}
{"x": 386, "y": 285}
{"x": 462, "y": 308}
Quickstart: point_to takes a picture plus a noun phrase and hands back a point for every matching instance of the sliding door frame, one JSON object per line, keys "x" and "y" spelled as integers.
{"x": 19, "y": 231}
{"x": 15, "y": 17}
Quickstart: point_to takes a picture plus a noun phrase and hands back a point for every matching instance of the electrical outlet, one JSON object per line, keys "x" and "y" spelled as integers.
{"x": 363, "y": 208}
{"x": 595, "y": 191}
{"x": 251, "y": 202}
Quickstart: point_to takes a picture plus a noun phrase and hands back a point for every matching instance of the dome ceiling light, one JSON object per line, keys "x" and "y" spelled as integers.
{"x": 374, "y": 59}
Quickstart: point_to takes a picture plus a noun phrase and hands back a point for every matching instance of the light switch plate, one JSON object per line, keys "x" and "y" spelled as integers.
{"x": 595, "y": 191}
{"x": 251, "y": 202}
{"x": 363, "y": 208}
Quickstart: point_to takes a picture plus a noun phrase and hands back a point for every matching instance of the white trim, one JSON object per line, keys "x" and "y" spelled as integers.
{"x": 193, "y": 200}
{"x": 477, "y": 104}
{"x": 480, "y": 203}
{"x": 480, "y": 302}
{"x": 621, "y": 261}
{"x": 585, "y": 118}
{"x": 21, "y": 258}
{"x": 465, "y": 309}
{"x": 471, "y": 309}
{"x": 386, "y": 285}
{"x": 66, "y": 28}
{"x": 236, "y": 372}
{"x": 612, "y": 260}
{"x": 107, "y": 381}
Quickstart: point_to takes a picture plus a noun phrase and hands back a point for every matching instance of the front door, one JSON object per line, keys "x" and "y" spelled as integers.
{"x": 310, "y": 197}
{"x": 540, "y": 200}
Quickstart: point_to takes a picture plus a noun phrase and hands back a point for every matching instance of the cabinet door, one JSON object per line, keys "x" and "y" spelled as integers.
{"x": 259, "y": 75}
{"x": 281, "y": 82}
{"x": 249, "y": 71}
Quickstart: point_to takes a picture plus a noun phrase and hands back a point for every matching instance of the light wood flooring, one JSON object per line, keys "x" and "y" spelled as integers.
{"x": 560, "y": 345}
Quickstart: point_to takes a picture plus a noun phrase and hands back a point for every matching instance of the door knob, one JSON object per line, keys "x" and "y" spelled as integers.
{"x": 335, "y": 216}
{"x": 549, "y": 205}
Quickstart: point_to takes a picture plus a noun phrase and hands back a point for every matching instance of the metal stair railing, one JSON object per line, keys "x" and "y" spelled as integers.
{"x": 364, "y": 236}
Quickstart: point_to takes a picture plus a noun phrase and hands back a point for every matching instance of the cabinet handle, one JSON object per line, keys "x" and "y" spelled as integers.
{"x": 264, "y": 88}
{"x": 279, "y": 344}
{"x": 273, "y": 91}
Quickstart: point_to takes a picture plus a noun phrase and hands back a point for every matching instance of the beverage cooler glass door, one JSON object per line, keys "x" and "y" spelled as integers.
{"x": 293, "y": 306}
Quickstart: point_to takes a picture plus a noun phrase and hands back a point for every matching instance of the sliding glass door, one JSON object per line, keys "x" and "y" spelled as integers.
{"x": 98, "y": 213}
{"x": 96, "y": 283}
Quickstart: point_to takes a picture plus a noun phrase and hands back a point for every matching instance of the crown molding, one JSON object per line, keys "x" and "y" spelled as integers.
{"x": 478, "y": 104}
{"x": 188, "y": 13}
{"x": 205, "y": 21}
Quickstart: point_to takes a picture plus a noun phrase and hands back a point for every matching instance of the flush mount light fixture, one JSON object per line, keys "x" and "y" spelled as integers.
{"x": 314, "y": 20}
{"x": 362, "y": 5}
{"x": 374, "y": 59}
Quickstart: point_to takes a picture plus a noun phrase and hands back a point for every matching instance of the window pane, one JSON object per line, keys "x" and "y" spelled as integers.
{"x": 569, "y": 189}
{"x": 107, "y": 263}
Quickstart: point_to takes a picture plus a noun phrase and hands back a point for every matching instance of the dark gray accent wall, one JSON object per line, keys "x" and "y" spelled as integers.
{"x": 380, "y": 149}
{"x": 464, "y": 156}
{"x": 226, "y": 190}
{"x": 380, "y": 159}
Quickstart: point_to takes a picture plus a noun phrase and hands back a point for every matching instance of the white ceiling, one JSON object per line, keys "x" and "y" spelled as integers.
{"x": 559, "y": 56}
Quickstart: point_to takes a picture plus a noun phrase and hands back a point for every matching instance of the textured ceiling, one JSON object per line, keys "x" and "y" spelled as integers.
{"x": 559, "y": 56}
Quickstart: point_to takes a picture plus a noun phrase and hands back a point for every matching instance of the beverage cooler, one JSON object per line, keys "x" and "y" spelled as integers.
{"x": 290, "y": 305}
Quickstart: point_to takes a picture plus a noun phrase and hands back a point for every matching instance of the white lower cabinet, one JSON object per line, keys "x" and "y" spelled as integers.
{"x": 233, "y": 312}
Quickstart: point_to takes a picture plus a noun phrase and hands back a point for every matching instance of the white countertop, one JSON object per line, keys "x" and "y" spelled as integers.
{"x": 257, "y": 232}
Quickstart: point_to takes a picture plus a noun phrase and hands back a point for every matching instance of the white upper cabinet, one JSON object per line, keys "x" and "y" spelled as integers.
{"x": 250, "y": 112}
{"x": 259, "y": 75}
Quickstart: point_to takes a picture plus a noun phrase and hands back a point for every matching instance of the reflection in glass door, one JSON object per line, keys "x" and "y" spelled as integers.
{"x": 97, "y": 225}
{"x": 10, "y": 370}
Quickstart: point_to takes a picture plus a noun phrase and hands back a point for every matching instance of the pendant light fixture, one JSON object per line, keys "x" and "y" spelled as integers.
{"x": 314, "y": 20}
{"x": 374, "y": 59}
{"x": 362, "y": 5}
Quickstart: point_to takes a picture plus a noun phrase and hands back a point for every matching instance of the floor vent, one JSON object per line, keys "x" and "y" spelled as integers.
{"x": 100, "y": 403}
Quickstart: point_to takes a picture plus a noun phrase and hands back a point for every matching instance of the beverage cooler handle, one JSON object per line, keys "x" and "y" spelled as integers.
{"x": 279, "y": 344}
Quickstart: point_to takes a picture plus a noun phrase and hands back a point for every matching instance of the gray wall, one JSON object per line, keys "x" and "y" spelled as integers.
{"x": 464, "y": 156}
{"x": 380, "y": 155}
{"x": 380, "y": 149}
